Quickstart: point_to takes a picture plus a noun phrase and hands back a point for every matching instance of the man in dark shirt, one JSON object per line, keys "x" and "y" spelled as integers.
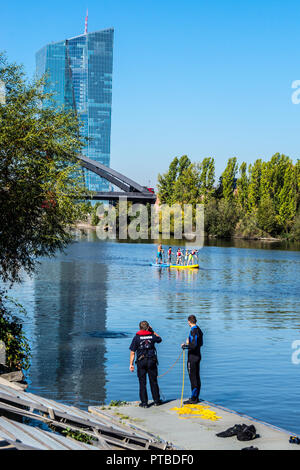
{"x": 193, "y": 345}
{"x": 143, "y": 345}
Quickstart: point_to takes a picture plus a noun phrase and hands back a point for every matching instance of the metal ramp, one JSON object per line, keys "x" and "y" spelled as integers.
{"x": 33, "y": 438}
{"x": 104, "y": 432}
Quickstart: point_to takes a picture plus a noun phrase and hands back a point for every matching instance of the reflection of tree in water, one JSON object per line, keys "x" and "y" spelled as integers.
{"x": 69, "y": 358}
{"x": 270, "y": 244}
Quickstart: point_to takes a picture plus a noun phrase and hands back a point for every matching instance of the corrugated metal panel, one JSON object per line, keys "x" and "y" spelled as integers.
{"x": 59, "y": 406}
{"x": 47, "y": 403}
{"x": 58, "y": 413}
{"x": 9, "y": 430}
{"x": 14, "y": 393}
{"x": 7, "y": 444}
{"x": 10, "y": 390}
{"x": 38, "y": 438}
{"x": 71, "y": 411}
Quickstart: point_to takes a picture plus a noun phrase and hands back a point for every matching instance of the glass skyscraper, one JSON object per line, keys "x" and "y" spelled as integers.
{"x": 79, "y": 74}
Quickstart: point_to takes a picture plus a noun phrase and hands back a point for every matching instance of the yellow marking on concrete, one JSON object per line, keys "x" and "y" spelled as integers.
{"x": 196, "y": 411}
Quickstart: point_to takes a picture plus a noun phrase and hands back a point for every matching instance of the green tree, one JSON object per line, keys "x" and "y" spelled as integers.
{"x": 187, "y": 186}
{"x": 266, "y": 215}
{"x": 262, "y": 201}
{"x": 183, "y": 164}
{"x": 277, "y": 168}
{"x": 297, "y": 176}
{"x": 41, "y": 182}
{"x": 228, "y": 178}
{"x": 265, "y": 180}
{"x": 294, "y": 234}
{"x": 167, "y": 181}
{"x": 221, "y": 218}
{"x": 247, "y": 227}
{"x": 287, "y": 198}
{"x": 94, "y": 217}
{"x": 254, "y": 184}
{"x": 242, "y": 187}
{"x": 210, "y": 217}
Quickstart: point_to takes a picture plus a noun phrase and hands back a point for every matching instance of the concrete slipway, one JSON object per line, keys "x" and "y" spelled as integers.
{"x": 195, "y": 433}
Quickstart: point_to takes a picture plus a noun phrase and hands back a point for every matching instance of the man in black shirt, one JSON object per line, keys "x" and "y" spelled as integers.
{"x": 193, "y": 345}
{"x": 143, "y": 345}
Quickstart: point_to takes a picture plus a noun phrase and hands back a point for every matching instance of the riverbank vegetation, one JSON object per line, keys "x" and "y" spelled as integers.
{"x": 41, "y": 184}
{"x": 41, "y": 181}
{"x": 17, "y": 349}
{"x": 260, "y": 200}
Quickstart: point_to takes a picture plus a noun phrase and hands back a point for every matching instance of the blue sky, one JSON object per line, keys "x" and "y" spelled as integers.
{"x": 197, "y": 77}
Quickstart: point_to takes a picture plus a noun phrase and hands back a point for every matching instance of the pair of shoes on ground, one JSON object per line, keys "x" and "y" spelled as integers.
{"x": 294, "y": 440}
{"x": 156, "y": 403}
{"x": 191, "y": 401}
{"x": 241, "y": 431}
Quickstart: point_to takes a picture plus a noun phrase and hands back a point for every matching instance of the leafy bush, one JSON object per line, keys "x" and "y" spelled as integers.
{"x": 11, "y": 333}
{"x": 294, "y": 234}
{"x": 221, "y": 218}
{"x": 266, "y": 216}
{"x": 247, "y": 227}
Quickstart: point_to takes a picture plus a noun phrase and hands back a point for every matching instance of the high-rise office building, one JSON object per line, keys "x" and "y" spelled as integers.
{"x": 79, "y": 74}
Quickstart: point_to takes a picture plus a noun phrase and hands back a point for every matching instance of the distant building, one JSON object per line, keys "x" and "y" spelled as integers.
{"x": 79, "y": 72}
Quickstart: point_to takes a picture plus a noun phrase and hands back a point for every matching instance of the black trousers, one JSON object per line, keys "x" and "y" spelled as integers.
{"x": 148, "y": 366}
{"x": 193, "y": 365}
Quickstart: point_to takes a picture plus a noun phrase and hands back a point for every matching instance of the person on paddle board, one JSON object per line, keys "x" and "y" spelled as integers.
{"x": 159, "y": 258}
{"x": 190, "y": 259}
{"x": 179, "y": 256}
{"x": 170, "y": 255}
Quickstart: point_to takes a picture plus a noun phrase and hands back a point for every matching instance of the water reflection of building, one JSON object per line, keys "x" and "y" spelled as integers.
{"x": 70, "y": 320}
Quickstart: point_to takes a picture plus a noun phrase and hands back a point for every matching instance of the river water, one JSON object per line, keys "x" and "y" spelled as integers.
{"x": 84, "y": 306}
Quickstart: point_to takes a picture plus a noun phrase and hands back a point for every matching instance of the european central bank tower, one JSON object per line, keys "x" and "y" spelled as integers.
{"x": 79, "y": 74}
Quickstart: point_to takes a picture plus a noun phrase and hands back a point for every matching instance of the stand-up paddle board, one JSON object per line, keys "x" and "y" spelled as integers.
{"x": 191, "y": 266}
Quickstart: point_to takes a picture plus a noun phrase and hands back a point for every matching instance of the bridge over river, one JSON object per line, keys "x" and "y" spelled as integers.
{"x": 130, "y": 190}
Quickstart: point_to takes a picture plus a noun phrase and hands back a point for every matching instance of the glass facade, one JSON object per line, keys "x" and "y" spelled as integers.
{"x": 79, "y": 72}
